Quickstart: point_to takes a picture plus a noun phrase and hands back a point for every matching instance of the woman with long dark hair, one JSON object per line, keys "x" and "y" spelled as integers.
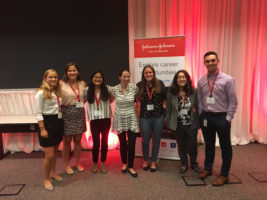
{"x": 152, "y": 95}
{"x": 182, "y": 117}
{"x": 99, "y": 114}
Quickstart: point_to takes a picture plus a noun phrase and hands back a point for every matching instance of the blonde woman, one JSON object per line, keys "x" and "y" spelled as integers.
{"x": 49, "y": 117}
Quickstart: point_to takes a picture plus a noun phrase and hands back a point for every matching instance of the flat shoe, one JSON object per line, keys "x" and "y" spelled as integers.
{"x": 133, "y": 174}
{"x": 124, "y": 170}
{"x": 221, "y": 180}
{"x": 153, "y": 169}
{"x": 145, "y": 168}
{"x": 103, "y": 168}
{"x": 94, "y": 169}
{"x": 49, "y": 187}
{"x": 57, "y": 178}
{"x": 196, "y": 169}
{"x": 204, "y": 174}
{"x": 80, "y": 168}
{"x": 69, "y": 171}
{"x": 183, "y": 169}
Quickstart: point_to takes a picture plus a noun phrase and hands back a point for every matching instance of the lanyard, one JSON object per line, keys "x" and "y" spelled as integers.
{"x": 185, "y": 98}
{"x": 211, "y": 88}
{"x": 149, "y": 94}
{"x": 98, "y": 100}
{"x": 58, "y": 103}
{"x": 77, "y": 95}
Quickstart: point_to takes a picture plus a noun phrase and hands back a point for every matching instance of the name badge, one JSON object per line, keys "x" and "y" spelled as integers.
{"x": 76, "y": 100}
{"x": 210, "y": 100}
{"x": 184, "y": 111}
{"x": 79, "y": 105}
{"x": 97, "y": 113}
{"x": 205, "y": 123}
{"x": 59, "y": 116}
{"x": 150, "y": 107}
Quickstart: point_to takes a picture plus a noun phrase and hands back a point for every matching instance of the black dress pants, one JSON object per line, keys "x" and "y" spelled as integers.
{"x": 127, "y": 148}
{"x": 216, "y": 123}
{"x": 100, "y": 126}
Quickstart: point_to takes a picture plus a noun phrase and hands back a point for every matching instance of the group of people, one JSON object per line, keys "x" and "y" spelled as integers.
{"x": 61, "y": 115}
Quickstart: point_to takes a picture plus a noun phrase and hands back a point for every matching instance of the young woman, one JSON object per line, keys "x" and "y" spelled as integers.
{"x": 125, "y": 120}
{"x": 73, "y": 114}
{"x": 152, "y": 96}
{"x": 182, "y": 117}
{"x": 99, "y": 113}
{"x": 49, "y": 117}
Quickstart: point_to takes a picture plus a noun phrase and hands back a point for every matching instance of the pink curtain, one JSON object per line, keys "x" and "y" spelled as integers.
{"x": 236, "y": 30}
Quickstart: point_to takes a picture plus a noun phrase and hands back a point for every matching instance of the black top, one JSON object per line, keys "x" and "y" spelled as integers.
{"x": 157, "y": 101}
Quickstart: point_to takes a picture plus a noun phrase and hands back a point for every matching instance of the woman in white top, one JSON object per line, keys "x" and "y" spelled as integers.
{"x": 49, "y": 117}
{"x": 125, "y": 120}
{"x": 99, "y": 113}
{"x": 73, "y": 114}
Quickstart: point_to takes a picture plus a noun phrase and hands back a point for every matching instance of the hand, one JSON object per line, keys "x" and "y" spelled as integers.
{"x": 229, "y": 123}
{"x": 44, "y": 133}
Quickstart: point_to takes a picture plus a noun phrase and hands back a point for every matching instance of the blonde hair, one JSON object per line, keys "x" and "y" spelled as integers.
{"x": 47, "y": 89}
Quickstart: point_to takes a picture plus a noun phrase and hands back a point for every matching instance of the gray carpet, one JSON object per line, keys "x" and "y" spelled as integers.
{"x": 166, "y": 183}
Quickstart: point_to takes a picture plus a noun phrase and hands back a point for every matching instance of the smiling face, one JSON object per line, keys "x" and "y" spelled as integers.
{"x": 125, "y": 77}
{"x": 181, "y": 79}
{"x": 72, "y": 73}
{"x": 148, "y": 74}
{"x": 211, "y": 62}
{"x": 52, "y": 79}
{"x": 97, "y": 79}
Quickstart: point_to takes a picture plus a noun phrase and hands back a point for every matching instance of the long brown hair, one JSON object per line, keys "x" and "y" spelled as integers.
{"x": 155, "y": 83}
{"x": 65, "y": 77}
{"x": 47, "y": 89}
{"x": 188, "y": 88}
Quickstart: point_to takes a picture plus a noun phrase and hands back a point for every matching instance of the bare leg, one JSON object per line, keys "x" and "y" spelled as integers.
{"x": 66, "y": 153}
{"x": 77, "y": 150}
{"x": 53, "y": 166}
{"x": 47, "y": 164}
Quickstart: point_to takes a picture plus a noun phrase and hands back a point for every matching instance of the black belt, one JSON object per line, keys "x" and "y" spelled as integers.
{"x": 214, "y": 113}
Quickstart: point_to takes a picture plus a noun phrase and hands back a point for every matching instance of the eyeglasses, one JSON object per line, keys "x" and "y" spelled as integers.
{"x": 210, "y": 61}
{"x": 181, "y": 77}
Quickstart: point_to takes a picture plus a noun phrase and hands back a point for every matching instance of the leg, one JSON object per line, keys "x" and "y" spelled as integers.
{"x": 181, "y": 142}
{"x": 192, "y": 144}
{"x": 95, "y": 130}
{"x": 47, "y": 164}
{"x": 77, "y": 150}
{"x": 157, "y": 126}
{"x": 131, "y": 148}
{"x": 123, "y": 149}
{"x": 225, "y": 144}
{"x": 53, "y": 166}
{"x": 145, "y": 126}
{"x": 131, "y": 151}
{"x": 66, "y": 153}
{"x": 104, "y": 139}
{"x": 209, "y": 134}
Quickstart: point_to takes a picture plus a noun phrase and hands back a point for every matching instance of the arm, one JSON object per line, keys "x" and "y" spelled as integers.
{"x": 199, "y": 96}
{"x": 168, "y": 107}
{"x": 231, "y": 95}
{"x": 39, "y": 103}
{"x": 110, "y": 92}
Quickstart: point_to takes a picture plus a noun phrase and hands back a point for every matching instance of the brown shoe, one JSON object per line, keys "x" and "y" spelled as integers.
{"x": 94, "y": 168}
{"x": 204, "y": 174}
{"x": 103, "y": 168}
{"x": 221, "y": 180}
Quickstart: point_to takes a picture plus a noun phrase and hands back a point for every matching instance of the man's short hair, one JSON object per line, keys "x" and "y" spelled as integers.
{"x": 211, "y": 53}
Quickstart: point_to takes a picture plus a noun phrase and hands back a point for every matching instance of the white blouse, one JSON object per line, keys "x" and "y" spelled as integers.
{"x": 45, "y": 106}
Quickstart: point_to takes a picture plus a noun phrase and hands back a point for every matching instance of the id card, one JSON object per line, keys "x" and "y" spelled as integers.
{"x": 150, "y": 107}
{"x": 210, "y": 100}
{"x": 184, "y": 111}
{"x": 97, "y": 113}
{"x": 205, "y": 123}
{"x": 79, "y": 105}
{"x": 59, "y": 116}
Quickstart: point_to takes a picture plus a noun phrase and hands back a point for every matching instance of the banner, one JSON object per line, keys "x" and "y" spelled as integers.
{"x": 166, "y": 55}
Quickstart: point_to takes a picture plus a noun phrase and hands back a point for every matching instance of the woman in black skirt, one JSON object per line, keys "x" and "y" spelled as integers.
{"x": 49, "y": 117}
